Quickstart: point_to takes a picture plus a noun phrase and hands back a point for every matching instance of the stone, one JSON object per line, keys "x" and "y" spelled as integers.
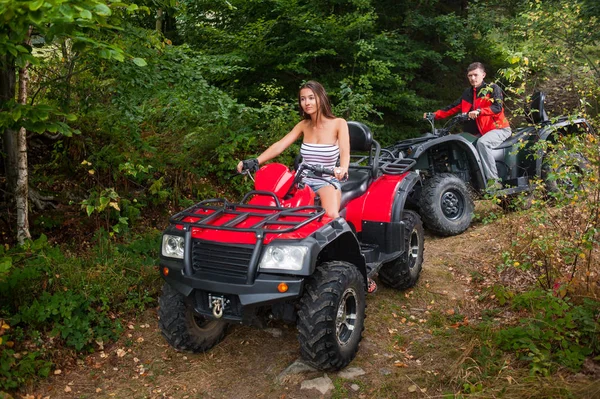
{"x": 321, "y": 384}
{"x": 351, "y": 373}
{"x": 298, "y": 367}
{"x": 274, "y": 332}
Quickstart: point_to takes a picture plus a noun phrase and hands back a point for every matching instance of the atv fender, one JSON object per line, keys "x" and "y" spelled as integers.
{"x": 377, "y": 214}
{"x": 386, "y": 197}
{"x": 546, "y": 132}
{"x": 462, "y": 143}
{"x": 341, "y": 246}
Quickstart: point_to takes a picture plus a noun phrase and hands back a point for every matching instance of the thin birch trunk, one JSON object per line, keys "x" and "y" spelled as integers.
{"x": 22, "y": 186}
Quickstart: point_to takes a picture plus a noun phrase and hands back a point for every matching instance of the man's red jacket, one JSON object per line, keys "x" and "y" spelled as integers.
{"x": 487, "y": 98}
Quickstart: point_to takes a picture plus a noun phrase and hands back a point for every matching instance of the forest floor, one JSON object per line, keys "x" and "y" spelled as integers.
{"x": 416, "y": 344}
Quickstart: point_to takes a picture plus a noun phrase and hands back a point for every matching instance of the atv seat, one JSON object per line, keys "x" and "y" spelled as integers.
{"x": 359, "y": 176}
{"x": 520, "y": 135}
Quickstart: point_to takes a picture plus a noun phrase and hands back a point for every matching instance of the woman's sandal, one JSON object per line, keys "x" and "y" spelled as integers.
{"x": 372, "y": 286}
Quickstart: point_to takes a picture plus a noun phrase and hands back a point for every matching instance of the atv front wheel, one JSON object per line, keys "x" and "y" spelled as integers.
{"x": 403, "y": 273}
{"x": 446, "y": 206}
{"x": 182, "y": 327}
{"x": 331, "y": 316}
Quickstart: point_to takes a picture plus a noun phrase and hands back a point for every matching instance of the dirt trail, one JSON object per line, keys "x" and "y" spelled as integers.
{"x": 400, "y": 355}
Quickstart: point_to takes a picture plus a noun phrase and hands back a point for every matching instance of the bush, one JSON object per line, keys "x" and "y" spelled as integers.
{"x": 557, "y": 332}
{"x": 53, "y": 299}
{"x": 557, "y": 240}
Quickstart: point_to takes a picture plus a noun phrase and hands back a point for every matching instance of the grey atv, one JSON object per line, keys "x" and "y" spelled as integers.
{"x": 452, "y": 174}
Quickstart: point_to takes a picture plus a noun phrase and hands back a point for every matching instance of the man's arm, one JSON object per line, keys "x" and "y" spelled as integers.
{"x": 450, "y": 110}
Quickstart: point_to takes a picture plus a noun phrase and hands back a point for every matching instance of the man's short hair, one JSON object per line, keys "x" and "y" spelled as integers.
{"x": 474, "y": 66}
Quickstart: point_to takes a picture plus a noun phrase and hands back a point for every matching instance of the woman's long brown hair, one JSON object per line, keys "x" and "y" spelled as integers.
{"x": 324, "y": 104}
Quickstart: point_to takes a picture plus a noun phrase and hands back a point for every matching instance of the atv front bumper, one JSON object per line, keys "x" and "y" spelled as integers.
{"x": 239, "y": 299}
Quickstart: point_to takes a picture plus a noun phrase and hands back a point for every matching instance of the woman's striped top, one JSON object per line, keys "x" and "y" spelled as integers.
{"x": 319, "y": 154}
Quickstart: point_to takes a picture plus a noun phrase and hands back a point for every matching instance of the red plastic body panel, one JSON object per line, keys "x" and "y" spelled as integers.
{"x": 376, "y": 204}
{"x": 276, "y": 178}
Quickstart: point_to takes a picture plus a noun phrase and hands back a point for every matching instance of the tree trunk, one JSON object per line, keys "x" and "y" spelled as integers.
{"x": 21, "y": 189}
{"x": 15, "y": 143}
{"x": 159, "y": 20}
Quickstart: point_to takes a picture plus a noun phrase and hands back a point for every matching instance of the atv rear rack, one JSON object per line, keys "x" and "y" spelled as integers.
{"x": 389, "y": 164}
{"x": 397, "y": 166}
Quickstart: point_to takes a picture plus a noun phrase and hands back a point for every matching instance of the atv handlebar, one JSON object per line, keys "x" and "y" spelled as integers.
{"x": 444, "y": 131}
{"x": 318, "y": 170}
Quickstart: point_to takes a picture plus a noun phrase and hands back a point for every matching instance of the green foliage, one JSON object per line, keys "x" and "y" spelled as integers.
{"x": 71, "y": 317}
{"x": 556, "y": 333}
{"x": 51, "y": 298}
{"x": 71, "y": 23}
{"x": 559, "y": 247}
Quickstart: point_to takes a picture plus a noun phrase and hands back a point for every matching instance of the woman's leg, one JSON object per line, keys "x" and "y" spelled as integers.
{"x": 330, "y": 200}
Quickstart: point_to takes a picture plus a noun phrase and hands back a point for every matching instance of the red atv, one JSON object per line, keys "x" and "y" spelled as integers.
{"x": 276, "y": 255}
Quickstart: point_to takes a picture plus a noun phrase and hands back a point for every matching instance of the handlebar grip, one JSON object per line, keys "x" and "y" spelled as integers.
{"x": 250, "y": 165}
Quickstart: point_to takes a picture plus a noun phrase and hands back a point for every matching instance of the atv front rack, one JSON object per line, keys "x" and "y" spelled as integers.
{"x": 205, "y": 212}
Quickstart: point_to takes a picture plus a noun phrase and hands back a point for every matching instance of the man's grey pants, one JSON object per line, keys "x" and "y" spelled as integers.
{"x": 485, "y": 144}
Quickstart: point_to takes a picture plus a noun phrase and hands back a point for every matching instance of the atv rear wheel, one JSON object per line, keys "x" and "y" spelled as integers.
{"x": 403, "y": 273}
{"x": 331, "y": 316}
{"x": 446, "y": 206}
{"x": 564, "y": 177}
{"x": 182, "y": 327}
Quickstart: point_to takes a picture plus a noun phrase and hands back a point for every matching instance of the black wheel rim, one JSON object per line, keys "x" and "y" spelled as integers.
{"x": 452, "y": 204}
{"x": 345, "y": 320}
{"x": 413, "y": 248}
{"x": 564, "y": 182}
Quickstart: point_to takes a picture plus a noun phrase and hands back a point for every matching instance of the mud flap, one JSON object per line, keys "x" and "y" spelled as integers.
{"x": 387, "y": 236}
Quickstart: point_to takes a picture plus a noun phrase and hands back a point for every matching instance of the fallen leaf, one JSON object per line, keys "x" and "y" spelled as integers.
{"x": 67, "y": 389}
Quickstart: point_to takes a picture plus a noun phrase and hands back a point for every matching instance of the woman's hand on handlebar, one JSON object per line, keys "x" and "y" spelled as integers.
{"x": 248, "y": 164}
{"x": 341, "y": 173}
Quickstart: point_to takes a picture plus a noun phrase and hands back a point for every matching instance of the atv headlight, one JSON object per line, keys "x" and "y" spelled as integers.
{"x": 285, "y": 257}
{"x": 172, "y": 246}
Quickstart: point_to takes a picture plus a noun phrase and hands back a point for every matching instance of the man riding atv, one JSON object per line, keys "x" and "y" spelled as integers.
{"x": 484, "y": 106}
